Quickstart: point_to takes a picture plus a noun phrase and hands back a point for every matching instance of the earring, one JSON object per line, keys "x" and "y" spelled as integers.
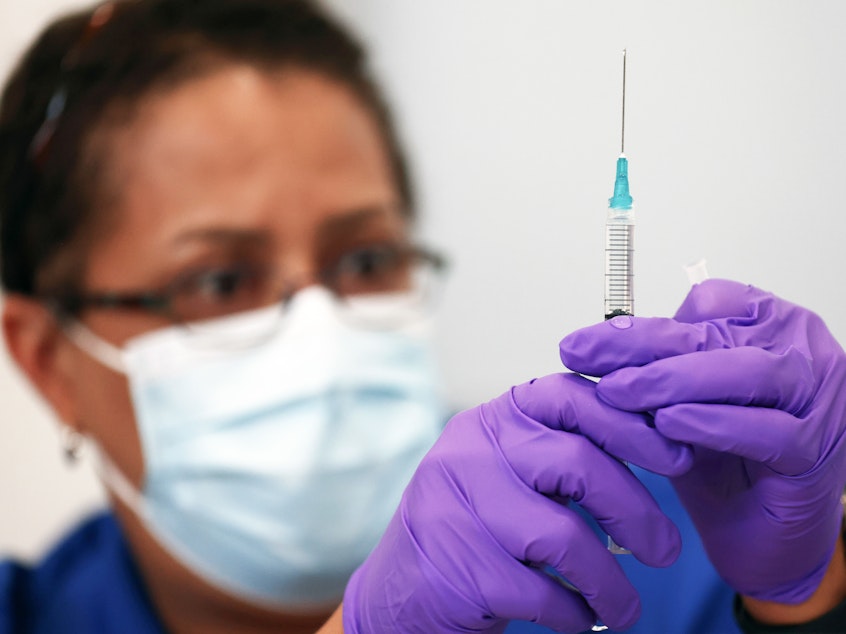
{"x": 71, "y": 444}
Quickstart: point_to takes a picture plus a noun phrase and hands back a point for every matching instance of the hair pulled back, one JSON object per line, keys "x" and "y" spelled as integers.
{"x": 48, "y": 194}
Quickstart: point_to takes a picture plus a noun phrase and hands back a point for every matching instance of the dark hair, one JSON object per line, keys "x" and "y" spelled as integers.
{"x": 47, "y": 174}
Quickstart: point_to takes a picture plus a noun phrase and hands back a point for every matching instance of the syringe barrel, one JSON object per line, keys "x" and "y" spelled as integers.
{"x": 619, "y": 262}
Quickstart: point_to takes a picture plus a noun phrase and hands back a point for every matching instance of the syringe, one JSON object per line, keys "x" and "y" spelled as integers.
{"x": 619, "y": 234}
{"x": 619, "y": 248}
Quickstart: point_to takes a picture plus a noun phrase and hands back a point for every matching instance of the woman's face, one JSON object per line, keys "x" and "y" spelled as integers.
{"x": 239, "y": 166}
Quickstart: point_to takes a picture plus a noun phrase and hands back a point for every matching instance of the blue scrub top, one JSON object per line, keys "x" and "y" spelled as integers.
{"x": 89, "y": 584}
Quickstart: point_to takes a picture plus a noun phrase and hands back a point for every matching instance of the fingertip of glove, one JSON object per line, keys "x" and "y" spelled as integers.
{"x": 666, "y": 545}
{"x": 678, "y": 460}
{"x": 715, "y": 299}
{"x": 613, "y": 389}
{"x": 633, "y": 388}
{"x": 674, "y": 547}
{"x": 623, "y": 614}
{"x": 684, "y": 462}
{"x": 569, "y": 353}
{"x": 578, "y": 349}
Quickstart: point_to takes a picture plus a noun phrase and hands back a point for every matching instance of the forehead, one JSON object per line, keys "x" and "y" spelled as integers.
{"x": 242, "y": 122}
{"x": 242, "y": 149}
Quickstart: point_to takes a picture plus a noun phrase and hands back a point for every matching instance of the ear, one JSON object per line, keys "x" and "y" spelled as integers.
{"x": 40, "y": 349}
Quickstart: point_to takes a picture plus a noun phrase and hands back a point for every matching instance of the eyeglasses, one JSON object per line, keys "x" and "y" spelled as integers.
{"x": 409, "y": 274}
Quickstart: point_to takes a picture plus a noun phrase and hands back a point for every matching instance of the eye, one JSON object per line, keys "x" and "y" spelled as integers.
{"x": 372, "y": 261}
{"x": 373, "y": 269}
{"x": 221, "y": 291}
{"x": 224, "y": 283}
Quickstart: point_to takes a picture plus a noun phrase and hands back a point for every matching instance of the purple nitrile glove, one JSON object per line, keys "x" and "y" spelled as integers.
{"x": 757, "y": 386}
{"x": 486, "y": 511}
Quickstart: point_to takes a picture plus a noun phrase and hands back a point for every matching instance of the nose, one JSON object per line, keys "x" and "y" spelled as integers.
{"x": 301, "y": 272}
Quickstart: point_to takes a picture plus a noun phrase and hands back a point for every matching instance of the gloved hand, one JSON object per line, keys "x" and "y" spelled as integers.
{"x": 757, "y": 386}
{"x": 486, "y": 511}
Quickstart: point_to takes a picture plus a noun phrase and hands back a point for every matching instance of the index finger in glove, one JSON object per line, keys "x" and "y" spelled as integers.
{"x": 569, "y": 402}
{"x": 634, "y": 341}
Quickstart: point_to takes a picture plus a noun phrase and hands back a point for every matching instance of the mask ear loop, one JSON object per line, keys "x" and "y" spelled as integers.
{"x": 116, "y": 482}
{"x": 86, "y": 340}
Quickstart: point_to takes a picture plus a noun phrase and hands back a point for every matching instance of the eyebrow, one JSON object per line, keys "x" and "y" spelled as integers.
{"x": 342, "y": 225}
{"x": 333, "y": 228}
{"x": 226, "y": 235}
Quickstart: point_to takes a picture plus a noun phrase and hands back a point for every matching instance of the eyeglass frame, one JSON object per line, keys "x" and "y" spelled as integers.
{"x": 160, "y": 301}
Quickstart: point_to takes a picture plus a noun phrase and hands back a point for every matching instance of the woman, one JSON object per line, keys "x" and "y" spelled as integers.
{"x": 210, "y": 276}
{"x": 132, "y": 210}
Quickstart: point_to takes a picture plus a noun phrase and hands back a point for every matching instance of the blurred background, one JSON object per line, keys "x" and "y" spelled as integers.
{"x": 511, "y": 114}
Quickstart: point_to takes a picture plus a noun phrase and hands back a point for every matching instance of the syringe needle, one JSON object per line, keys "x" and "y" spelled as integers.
{"x": 623, "y": 130}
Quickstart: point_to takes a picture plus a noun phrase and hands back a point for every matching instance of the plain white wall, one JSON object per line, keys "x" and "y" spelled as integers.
{"x": 510, "y": 111}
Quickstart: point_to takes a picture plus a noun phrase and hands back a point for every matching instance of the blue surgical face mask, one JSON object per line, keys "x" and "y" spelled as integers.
{"x": 272, "y": 471}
